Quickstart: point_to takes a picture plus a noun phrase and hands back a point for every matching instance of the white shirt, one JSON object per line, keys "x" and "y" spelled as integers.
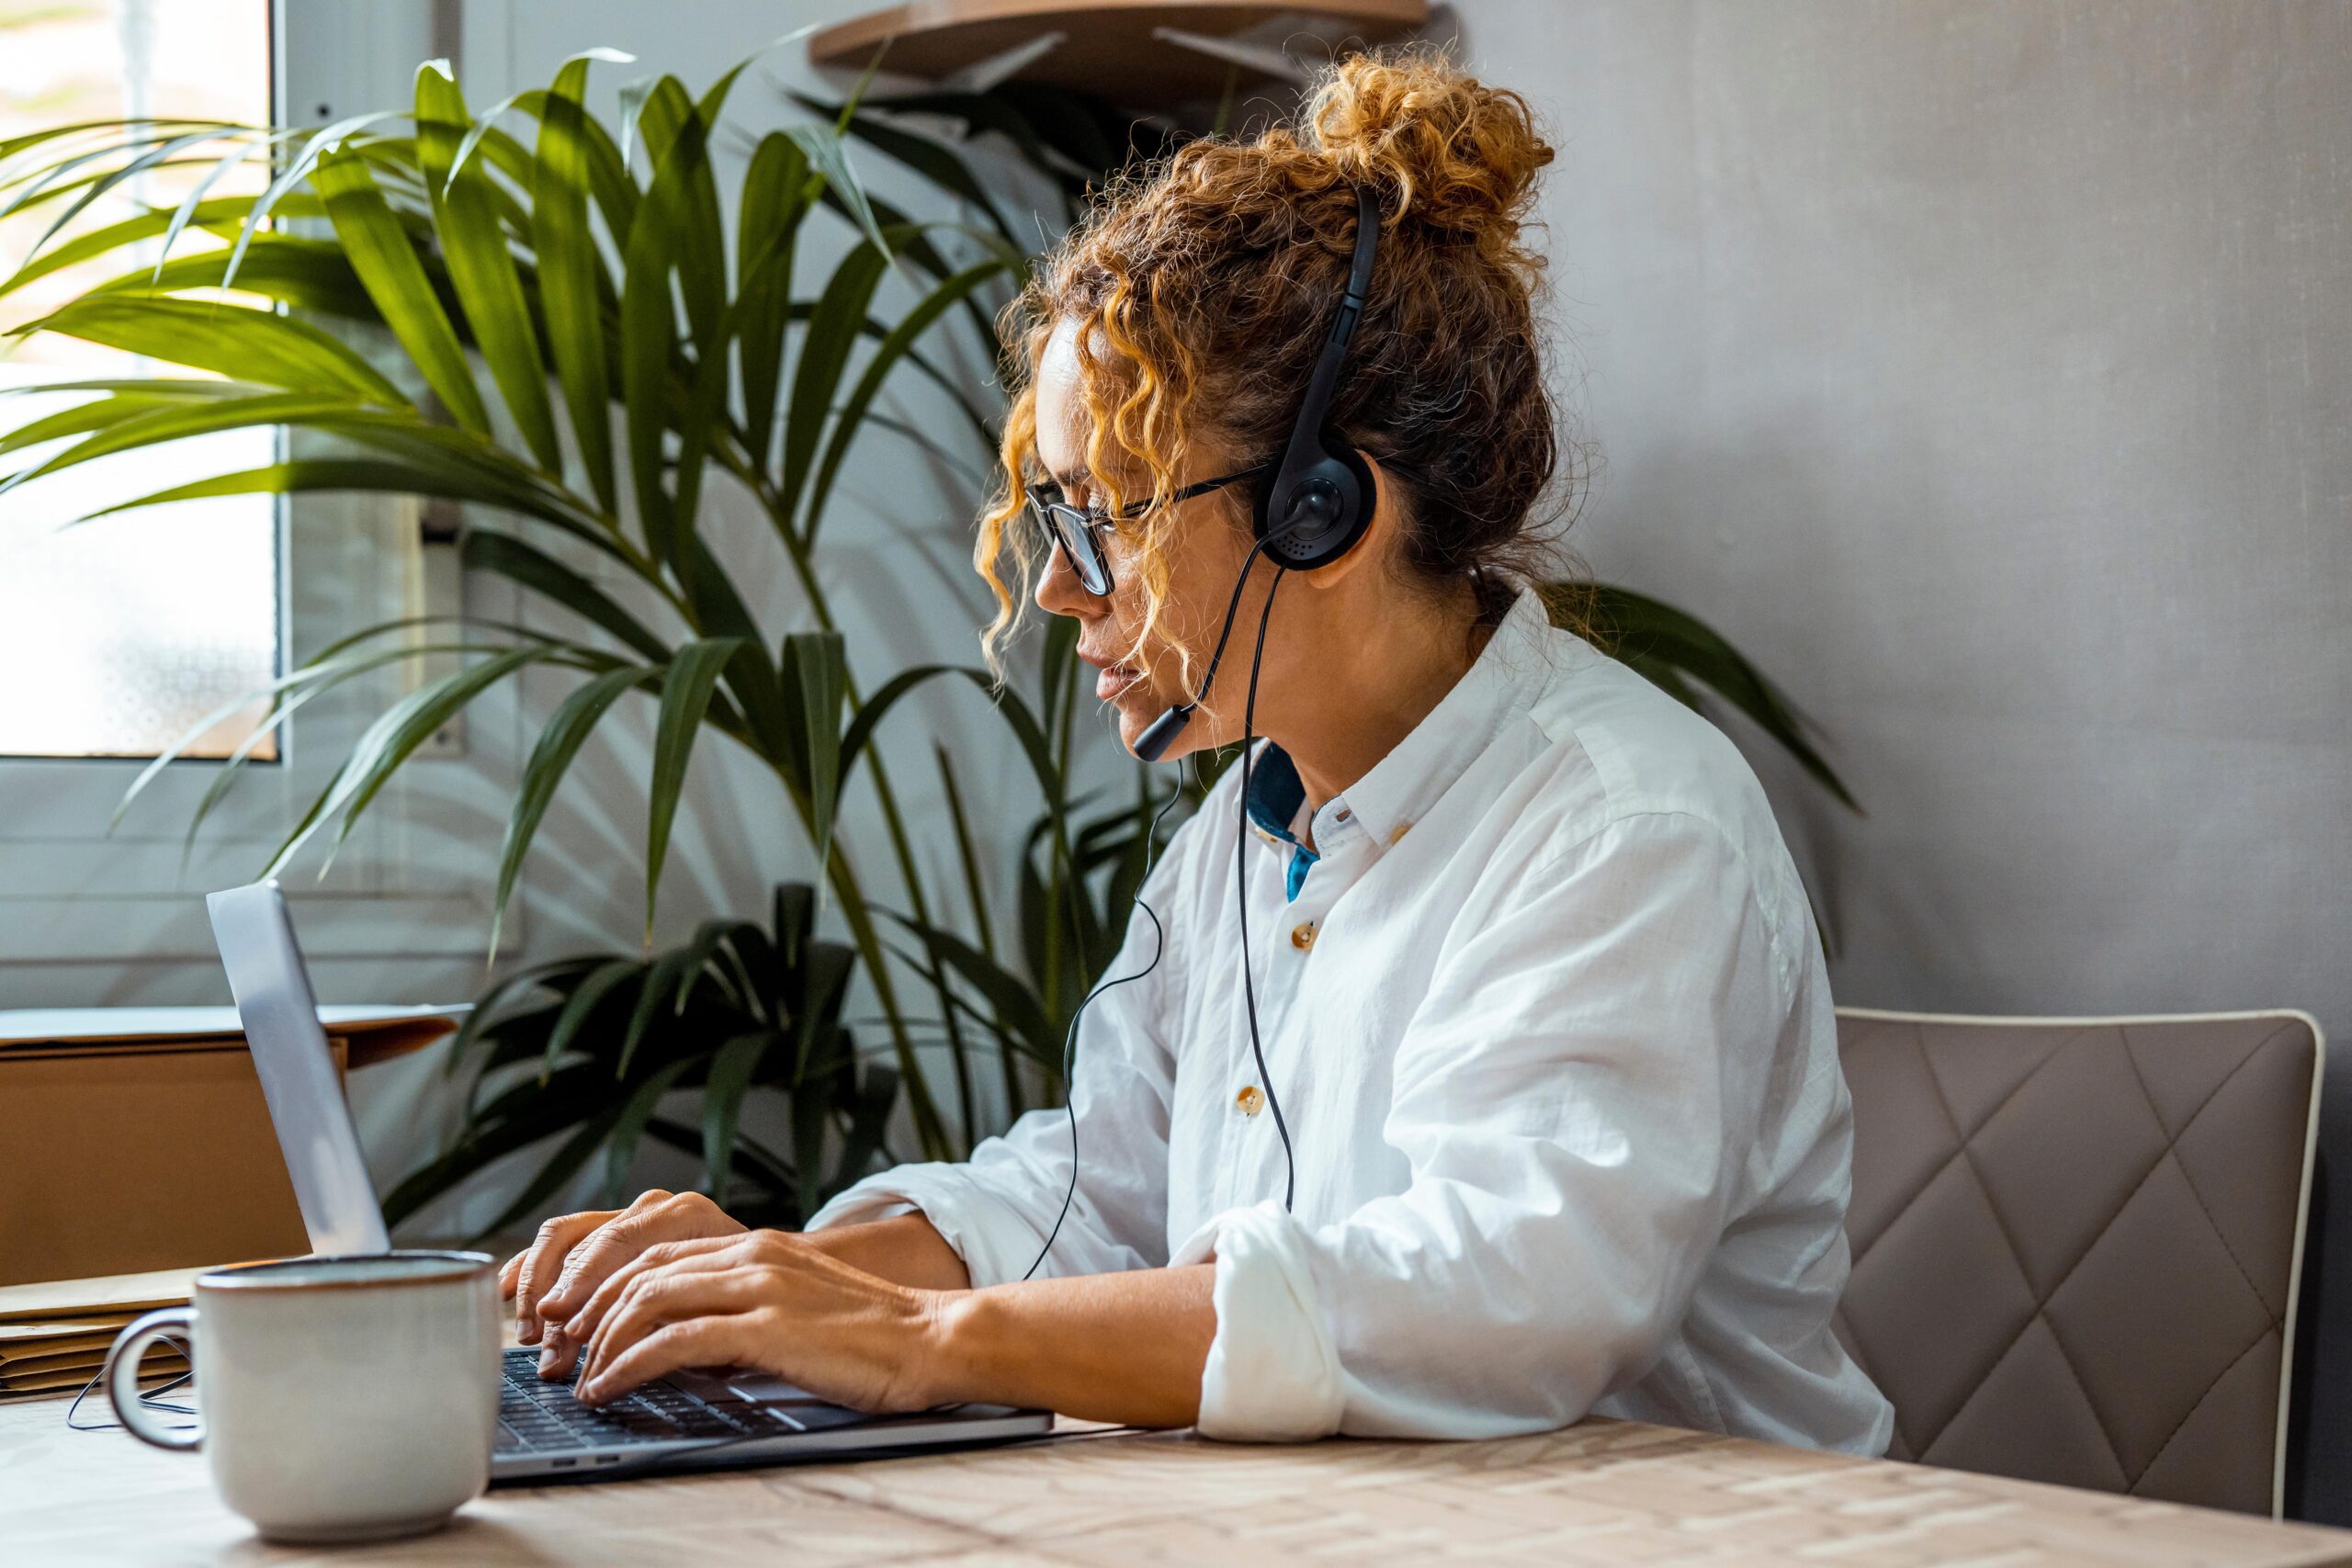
{"x": 1549, "y": 1023}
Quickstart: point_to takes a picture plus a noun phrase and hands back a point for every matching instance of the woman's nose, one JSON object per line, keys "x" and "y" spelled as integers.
{"x": 1059, "y": 593}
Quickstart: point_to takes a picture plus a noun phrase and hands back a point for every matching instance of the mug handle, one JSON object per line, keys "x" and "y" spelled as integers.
{"x": 122, "y": 1377}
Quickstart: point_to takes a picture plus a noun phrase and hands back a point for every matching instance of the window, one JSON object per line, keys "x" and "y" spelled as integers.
{"x": 95, "y": 909}
{"x": 119, "y": 636}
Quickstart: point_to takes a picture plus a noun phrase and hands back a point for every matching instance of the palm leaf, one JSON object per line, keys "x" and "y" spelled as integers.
{"x": 685, "y": 695}
{"x": 99, "y": 414}
{"x": 561, "y": 1166}
{"x": 1014, "y": 1002}
{"x": 284, "y": 706}
{"x": 569, "y": 270}
{"x": 130, "y": 168}
{"x": 532, "y": 568}
{"x": 775, "y": 198}
{"x": 629, "y": 1128}
{"x": 842, "y": 190}
{"x": 489, "y": 1010}
{"x": 301, "y": 274}
{"x": 730, "y": 1077}
{"x": 380, "y": 252}
{"x": 815, "y": 669}
{"x": 851, "y": 416}
{"x": 205, "y": 214}
{"x": 824, "y": 354}
{"x": 670, "y": 971}
{"x": 192, "y": 206}
{"x": 567, "y": 730}
{"x": 177, "y": 419}
{"x": 390, "y": 740}
{"x": 480, "y": 266}
{"x": 934, "y": 160}
{"x": 648, "y": 340}
{"x": 590, "y": 993}
{"x": 530, "y": 1119}
{"x": 247, "y": 345}
{"x": 326, "y": 667}
{"x": 297, "y": 170}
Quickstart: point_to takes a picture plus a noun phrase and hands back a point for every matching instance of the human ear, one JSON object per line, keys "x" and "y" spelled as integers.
{"x": 1379, "y": 537}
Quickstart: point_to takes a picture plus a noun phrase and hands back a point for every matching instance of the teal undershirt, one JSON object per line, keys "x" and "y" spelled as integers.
{"x": 1276, "y": 795}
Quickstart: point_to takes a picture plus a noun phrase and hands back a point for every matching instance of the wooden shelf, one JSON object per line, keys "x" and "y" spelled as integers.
{"x": 1108, "y": 48}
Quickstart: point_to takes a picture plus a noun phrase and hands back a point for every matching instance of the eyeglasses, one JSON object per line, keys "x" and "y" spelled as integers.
{"x": 1075, "y": 529}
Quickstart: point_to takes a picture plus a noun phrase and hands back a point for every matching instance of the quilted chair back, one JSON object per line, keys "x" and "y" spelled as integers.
{"x": 2077, "y": 1243}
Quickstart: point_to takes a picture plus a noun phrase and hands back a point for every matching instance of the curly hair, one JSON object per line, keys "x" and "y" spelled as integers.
{"x": 1203, "y": 284}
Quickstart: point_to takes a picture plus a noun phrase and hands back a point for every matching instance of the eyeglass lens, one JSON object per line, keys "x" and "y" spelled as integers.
{"x": 1079, "y": 547}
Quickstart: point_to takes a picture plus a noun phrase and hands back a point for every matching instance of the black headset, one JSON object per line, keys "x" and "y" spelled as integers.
{"x": 1311, "y": 512}
{"x": 1320, "y": 496}
{"x": 1321, "y": 499}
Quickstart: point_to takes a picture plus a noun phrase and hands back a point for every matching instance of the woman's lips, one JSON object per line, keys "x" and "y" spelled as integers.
{"x": 1113, "y": 680}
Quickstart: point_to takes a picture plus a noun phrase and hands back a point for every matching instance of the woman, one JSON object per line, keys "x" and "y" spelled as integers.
{"x": 1526, "y": 1103}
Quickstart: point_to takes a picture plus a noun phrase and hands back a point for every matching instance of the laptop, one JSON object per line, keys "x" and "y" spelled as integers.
{"x": 694, "y": 1420}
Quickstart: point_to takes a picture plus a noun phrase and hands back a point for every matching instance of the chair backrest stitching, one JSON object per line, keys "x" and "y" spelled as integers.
{"x": 2172, "y": 1147}
{"x": 2016, "y": 1254}
{"x": 2179, "y": 1425}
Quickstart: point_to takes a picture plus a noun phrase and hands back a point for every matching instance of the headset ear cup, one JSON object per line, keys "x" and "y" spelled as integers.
{"x": 1341, "y": 472}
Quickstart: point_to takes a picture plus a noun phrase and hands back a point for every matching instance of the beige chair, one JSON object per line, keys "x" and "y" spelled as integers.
{"x": 2077, "y": 1243}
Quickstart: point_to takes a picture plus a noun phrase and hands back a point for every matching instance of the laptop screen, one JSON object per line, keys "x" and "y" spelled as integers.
{"x": 297, "y": 1077}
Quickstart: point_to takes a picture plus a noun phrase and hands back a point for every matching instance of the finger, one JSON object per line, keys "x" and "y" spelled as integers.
{"x": 509, "y": 1273}
{"x": 539, "y": 1264}
{"x": 701, "y": 1254}
{"x": 706, "y": 1252}
{"x": 554, "y": 1304}
{"x": 656, "y": 1217}
{"x": 567, "y": 1338}
{"x": 695, "y": 1287}
{"x": 707, "y": 1341}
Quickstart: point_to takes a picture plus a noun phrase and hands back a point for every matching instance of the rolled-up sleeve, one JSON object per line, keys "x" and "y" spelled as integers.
{"x": 998, "y": 1207}
{"x": 1575, "y": 1097}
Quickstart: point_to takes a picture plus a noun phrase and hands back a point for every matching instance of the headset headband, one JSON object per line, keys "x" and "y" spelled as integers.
{"x": 1320, "y": 496}
{"x": 1306, "y": 435}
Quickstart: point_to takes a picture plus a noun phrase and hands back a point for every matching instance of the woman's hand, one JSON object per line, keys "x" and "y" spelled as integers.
{"x": 575, "y": 1254}
{"x": 763, "y": 1299}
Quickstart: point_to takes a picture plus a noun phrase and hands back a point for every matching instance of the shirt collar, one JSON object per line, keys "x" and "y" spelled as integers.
{"x": 1421, "y": 767}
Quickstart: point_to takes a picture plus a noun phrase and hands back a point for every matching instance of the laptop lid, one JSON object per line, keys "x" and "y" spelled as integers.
{"x": 298, "y": 1077}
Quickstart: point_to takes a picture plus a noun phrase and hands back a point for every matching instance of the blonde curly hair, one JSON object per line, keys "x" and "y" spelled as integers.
{"x": 1201, "y": 286}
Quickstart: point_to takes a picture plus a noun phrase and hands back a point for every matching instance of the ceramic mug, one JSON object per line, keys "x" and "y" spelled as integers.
{"x": 343, "y": 1398}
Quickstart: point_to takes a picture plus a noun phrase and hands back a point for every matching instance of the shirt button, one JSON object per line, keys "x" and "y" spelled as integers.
{"x": 1251, "y": 1100}
{"x": 1302, "y": 936}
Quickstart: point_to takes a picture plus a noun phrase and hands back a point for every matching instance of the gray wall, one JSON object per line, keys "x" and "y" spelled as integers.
{"x": 1982, "y": 370}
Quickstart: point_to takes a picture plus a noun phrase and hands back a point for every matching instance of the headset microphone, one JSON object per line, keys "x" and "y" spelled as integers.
{"x": 1161, "y": 733}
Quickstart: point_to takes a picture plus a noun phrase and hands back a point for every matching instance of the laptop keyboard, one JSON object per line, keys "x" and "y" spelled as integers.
{"x": 537, "y": 1415}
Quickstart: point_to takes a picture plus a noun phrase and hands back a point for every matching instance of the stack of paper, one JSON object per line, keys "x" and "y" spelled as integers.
{"x": 53, "y": 1336}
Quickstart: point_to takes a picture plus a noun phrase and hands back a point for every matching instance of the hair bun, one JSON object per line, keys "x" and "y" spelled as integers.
{"x": 1460, "y": 156}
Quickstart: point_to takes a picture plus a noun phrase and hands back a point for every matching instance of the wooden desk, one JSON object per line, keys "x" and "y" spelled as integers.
{"x": 1603, "y": 1492}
